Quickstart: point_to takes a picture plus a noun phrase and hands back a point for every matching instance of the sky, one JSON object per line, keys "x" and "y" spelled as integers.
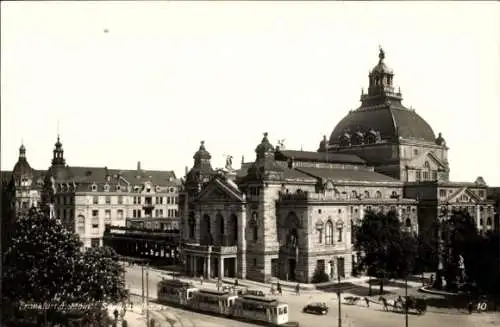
{"x": 123, "y": 82}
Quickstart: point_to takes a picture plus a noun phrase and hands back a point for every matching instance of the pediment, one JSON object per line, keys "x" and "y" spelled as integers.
{"x": 464, "y": 195}
{"x": 218, "y": 191}
{"x": 434, "y": 162}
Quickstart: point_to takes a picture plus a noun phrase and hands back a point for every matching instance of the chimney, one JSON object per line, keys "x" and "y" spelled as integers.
{"x": 138, "y": 166}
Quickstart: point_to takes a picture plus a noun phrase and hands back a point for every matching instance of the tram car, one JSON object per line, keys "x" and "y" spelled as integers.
{"x": 213, "y": 301}
{"x": 175, "y": 292}
{"x": 262, "y": 309}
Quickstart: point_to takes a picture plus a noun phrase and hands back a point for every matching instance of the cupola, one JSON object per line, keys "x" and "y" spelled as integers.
{"x": 265, "y": 148}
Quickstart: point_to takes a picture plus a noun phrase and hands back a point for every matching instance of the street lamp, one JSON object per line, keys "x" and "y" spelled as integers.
{"x": 338, "y": 295}
{"x": 406, "y": 301}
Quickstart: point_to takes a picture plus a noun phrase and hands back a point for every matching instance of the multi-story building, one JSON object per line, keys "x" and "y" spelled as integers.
{"x": 88, "y": 198}
{"x": 290, "y": 213}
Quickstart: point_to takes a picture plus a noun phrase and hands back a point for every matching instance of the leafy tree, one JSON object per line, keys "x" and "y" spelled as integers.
{"x": 40, "y": 260}
{"x": 100, "y": 267}
{"x": 45, "y": 264}
{"x": 8, "y": 211}
{"x": 479, "y": 252}
{"x": 387, "y": 251}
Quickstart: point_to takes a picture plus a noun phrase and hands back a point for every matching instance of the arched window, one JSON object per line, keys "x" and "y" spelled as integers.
{"x": 329, "y": 232}
{"x": 233, "y": 220}
{"x": 206, "y": 230}
{"x": 408, "y": 223}
{"x": 220, "y": 227}
{"x": 367, "y": 195}
{"x": 481, "y": 221}
{"x": 192, "y": 224}
{"x": 488, "y": 221}
{"x": 378, "y": 195}
{"x": 354, "y": 194}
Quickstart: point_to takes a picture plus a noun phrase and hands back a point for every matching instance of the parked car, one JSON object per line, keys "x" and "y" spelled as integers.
{"x": 316, "y": 308}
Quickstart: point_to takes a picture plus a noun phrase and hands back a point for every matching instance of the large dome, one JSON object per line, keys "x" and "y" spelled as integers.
{"x": 392, "y": 122}
{"x": 381, "y": 116}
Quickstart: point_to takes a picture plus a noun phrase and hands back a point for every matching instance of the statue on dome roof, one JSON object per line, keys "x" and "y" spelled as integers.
{"x": 381, "y": 54}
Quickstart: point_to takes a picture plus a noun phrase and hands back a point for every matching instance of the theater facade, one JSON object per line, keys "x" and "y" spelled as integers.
{"x": 289, "y": 213}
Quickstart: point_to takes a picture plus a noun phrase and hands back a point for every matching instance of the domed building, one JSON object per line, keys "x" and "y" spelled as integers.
{"x": 289, "y": 214}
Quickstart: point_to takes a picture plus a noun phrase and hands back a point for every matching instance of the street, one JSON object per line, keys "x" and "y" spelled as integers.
{"x": 352, "y": 315}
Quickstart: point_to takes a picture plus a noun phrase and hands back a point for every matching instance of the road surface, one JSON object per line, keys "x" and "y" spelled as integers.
{"x": 352, "y": 316}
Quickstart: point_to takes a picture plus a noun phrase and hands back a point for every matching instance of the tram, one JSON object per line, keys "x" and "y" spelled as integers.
{"x": 175, "y": 292}
{"x": 262, "y": 309}
{"x": 220, "y": 302}
{"x": 257, "y": 308}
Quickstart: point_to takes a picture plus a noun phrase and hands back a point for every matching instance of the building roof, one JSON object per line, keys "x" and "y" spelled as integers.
{"x": 310, "y": 156}
{"x": 392, "y": 121}
{"x": 347, "y": 175}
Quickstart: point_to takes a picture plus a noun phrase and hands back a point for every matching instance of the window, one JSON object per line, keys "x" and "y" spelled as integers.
{"x": 120, "y": 199}
{"x": 135, "y": 200}
{"x": 255, "y": 230}
{"x": 329, "y": 233}
{"x": 134, "y": 213}
{"x": 106, "y": 188}
{"x": 415, "y": 152}
{"x": 354, "y": 194}
{"x": 442, "y": 193}
{"x": 95, "y": 200}
{"x": 419, "y": 175}
{"x": 434, "y": 175}
{"x": 340, "y": 229}
{"x": 95, "y": 213}
{"x": 481, "y": 193}
{"x": 119, "y": 214}
{"x": 108, "y": 199}
{"x": 367, "y": 195}
{"x": 94, "y": 187}
{"x": 118, "y": 188}
{"x": 138, "y": 200}
{"x": 488, "y": 221}
{"x": 168, "y": 200}
{"x": 107, "y": 216}
{"x": 378, "y": 195}
{"x": 320, "y": 236}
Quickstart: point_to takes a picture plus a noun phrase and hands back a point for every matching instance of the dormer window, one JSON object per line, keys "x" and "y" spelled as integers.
{"x": 94, "y": 187}
{"x": 106, "y": 188}
{"x": 118, "y": 187}
{"x": 172, "y": 190}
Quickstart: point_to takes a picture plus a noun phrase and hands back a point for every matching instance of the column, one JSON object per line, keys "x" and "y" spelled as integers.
{"x": 478, "y": 217}
{"x": 242, "y": 244}
{"x": 194, "y": 260}
{"x": 221, "y": 267}
{"x": 208, "y": 266}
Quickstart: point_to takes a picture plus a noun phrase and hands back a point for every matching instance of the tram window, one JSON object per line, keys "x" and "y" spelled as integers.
{"x": 285, "y": 309}
{"x": 281, "y": 311}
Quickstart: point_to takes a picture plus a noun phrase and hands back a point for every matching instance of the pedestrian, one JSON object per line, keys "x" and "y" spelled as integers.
{"x": 278, "y": 287}
{"x": 297, "y": 289}
{"x": 367, "y": 300}
{"x": 470, "y": 307}
{"x": 201, "y": 280}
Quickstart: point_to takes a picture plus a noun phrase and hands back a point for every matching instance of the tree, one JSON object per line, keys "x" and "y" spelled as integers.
{"x": 100, "y": 266}
{"x": 462, "y": 239}
{"x": 387, "y": 251}
{"x": 44, "y": 264}
{"x": 40, "y": 260}
{"x": 8, "y": 211}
